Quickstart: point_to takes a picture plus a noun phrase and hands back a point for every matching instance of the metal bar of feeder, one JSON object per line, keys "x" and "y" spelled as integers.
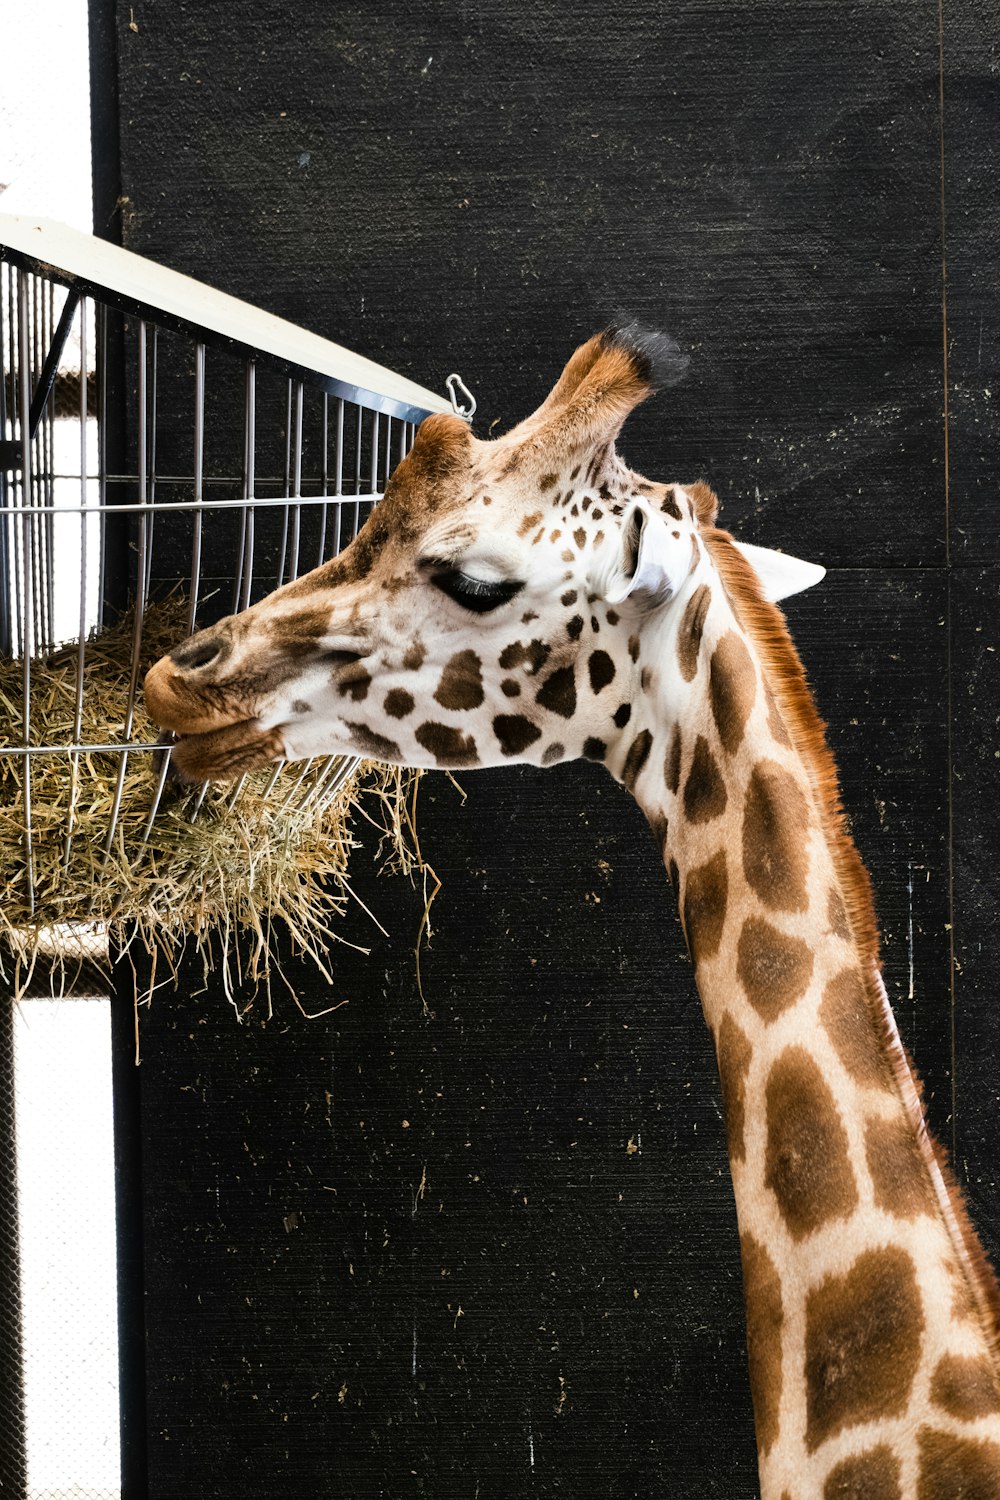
{"x": 324, "y": 478}
{"x": 6, "y": 633}
{"x": 357, "y": 476}
{"x": 201, "y": 797}
{"x": 27, "y": 645}
{"x": 140, "y": 601}
{"x": 136, "y": 507}
{"x": 288, "y": 485}
{"x": 56, "y": 345}
{"x": 34, "y": 489}
{"x": 249, "y": 472}
{"x": 17, "y": 480}
{"x": 339, "y": 472}
{"x": 118, "y": 748}
{"x": 157, "y": 795}
{"x": 152, "y": 470}
{"x": 373, "y": 461}
{"x": 346, "y": 770}
{"x": 74, "y": 765}
{"x": 293, "y": 570}
{"x": 199, "y": 472}
{"x": 102, "y": 451}
{"x": 48, "y": 467}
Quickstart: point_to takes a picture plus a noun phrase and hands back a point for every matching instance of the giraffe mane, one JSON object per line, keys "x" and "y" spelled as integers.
{"x": 764, "y": 623}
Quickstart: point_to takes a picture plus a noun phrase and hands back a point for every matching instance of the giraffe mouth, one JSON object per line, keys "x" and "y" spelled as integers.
{"x": 223, "y": 754}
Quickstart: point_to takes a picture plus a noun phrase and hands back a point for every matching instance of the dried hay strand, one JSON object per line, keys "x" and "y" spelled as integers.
{"x": 222, "y": 867}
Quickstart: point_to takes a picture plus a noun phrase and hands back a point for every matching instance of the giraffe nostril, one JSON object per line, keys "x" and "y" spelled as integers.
{"x": 197, "y": 653}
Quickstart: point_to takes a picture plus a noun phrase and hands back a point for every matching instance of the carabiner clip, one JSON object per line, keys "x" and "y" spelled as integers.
{"x": 453, "y": 383}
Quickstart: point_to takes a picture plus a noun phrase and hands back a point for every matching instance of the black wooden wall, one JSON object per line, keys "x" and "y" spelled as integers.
{"x": 491, "y": 1252}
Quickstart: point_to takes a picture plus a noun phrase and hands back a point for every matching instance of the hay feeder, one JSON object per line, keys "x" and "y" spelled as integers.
{"x": 168, "y": 455}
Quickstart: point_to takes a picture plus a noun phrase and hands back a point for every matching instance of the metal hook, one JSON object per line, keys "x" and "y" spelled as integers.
{"x": 456, "y": 382}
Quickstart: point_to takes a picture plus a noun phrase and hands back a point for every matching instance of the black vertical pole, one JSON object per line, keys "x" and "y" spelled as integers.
{"x": 13, "y": 1478}
{"x": 103, "y": 23}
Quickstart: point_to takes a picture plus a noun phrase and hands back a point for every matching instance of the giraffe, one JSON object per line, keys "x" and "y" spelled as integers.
{"x": 533, "y": 599}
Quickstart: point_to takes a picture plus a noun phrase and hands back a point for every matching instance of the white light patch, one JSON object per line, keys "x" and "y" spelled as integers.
{"x": 66, "y": 1233}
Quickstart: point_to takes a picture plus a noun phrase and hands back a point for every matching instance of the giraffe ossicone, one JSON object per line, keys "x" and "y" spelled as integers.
{"x": 534, "y": 599}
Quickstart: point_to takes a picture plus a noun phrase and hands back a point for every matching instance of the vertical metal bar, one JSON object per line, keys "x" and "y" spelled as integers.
{"x": 27, "y": 642}
{"x": 157, "y": 794}
{"x": 199, "y": 475}
{"x": 81, "y": 645}
{"x": 357, "y": 477}
{"x": 234, "y": 796}
{"x": 288, "y": 481}
{"x": 33, "y": 489}
{"x": 273, "y": 778}
{"x": 152, "y": 459}
{"x": 338, "y": 487}
{"x": 140, "y": 600}
{"x": 48, "y": 470}
{"x": 373, "y": 474}
{"x": 241, "y": 545}
{"x": 324, "y": 477}
{"x": 201, "y": 797}
{"x": 17, "y": 479}
{"x": 249, "y": 481}
{"x": 13, "y": 1451}
{"x": 6, "y": 633}
{"x": 293, "y": 571}
{"x": 102, "y": 451}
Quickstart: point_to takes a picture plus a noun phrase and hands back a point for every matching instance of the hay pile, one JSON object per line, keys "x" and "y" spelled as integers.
{"x": 224, "y": 873}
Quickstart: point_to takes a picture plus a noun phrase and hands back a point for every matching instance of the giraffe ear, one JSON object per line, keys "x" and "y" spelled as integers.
{"x": 780, "y": 575}
{"x": 653, "y": 562}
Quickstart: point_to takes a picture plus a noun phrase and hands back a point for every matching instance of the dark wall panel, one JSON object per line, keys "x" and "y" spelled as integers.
{"x": 475, "y": 188}
{"x": 559, "y": 1311}
{"x": 972, "y": 108}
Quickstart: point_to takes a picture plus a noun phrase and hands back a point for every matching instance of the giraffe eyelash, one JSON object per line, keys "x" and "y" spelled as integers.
{"x": 475, "y": 594}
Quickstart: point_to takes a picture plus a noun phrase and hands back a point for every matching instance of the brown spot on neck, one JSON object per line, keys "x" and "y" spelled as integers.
{"x": 672, "y": 761}
{"x": 691, "y": 630}
{"x": 706, "y": 893}
{"x": 966, "y": 1386}
{"x": 897, "y": 1169}
{"x": 733, "y": 1053}
{"x": 636, "y": 758}
{"x": 773, "y": 968}
{"x": 807, "y": 1165}
{"x": 732, "y": 689}
{"x": 765, "y": 1317}
{"x": 775, "y": 838}
{"x": 863, "y": 1337}
{"x": 848, "y": 1020}
{"x": 704, "y": 790}
{"x": 872, "y": 1475}
{"x": 954, "y": 1468}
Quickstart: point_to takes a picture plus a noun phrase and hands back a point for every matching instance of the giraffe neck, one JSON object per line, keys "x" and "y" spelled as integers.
{"x": 870, "y": 1332}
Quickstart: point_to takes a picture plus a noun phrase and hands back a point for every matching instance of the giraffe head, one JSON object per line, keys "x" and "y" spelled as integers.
{"x": 491, "y": 610}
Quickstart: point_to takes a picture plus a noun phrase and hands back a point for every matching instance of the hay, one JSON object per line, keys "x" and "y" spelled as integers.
{"x": 227, "y": 874}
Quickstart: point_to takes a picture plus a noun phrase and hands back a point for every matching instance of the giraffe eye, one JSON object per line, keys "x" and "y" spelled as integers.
{"x": 477, "y": 594}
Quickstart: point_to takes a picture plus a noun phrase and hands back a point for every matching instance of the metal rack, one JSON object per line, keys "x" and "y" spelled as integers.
{"x": 157, "y": 435}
